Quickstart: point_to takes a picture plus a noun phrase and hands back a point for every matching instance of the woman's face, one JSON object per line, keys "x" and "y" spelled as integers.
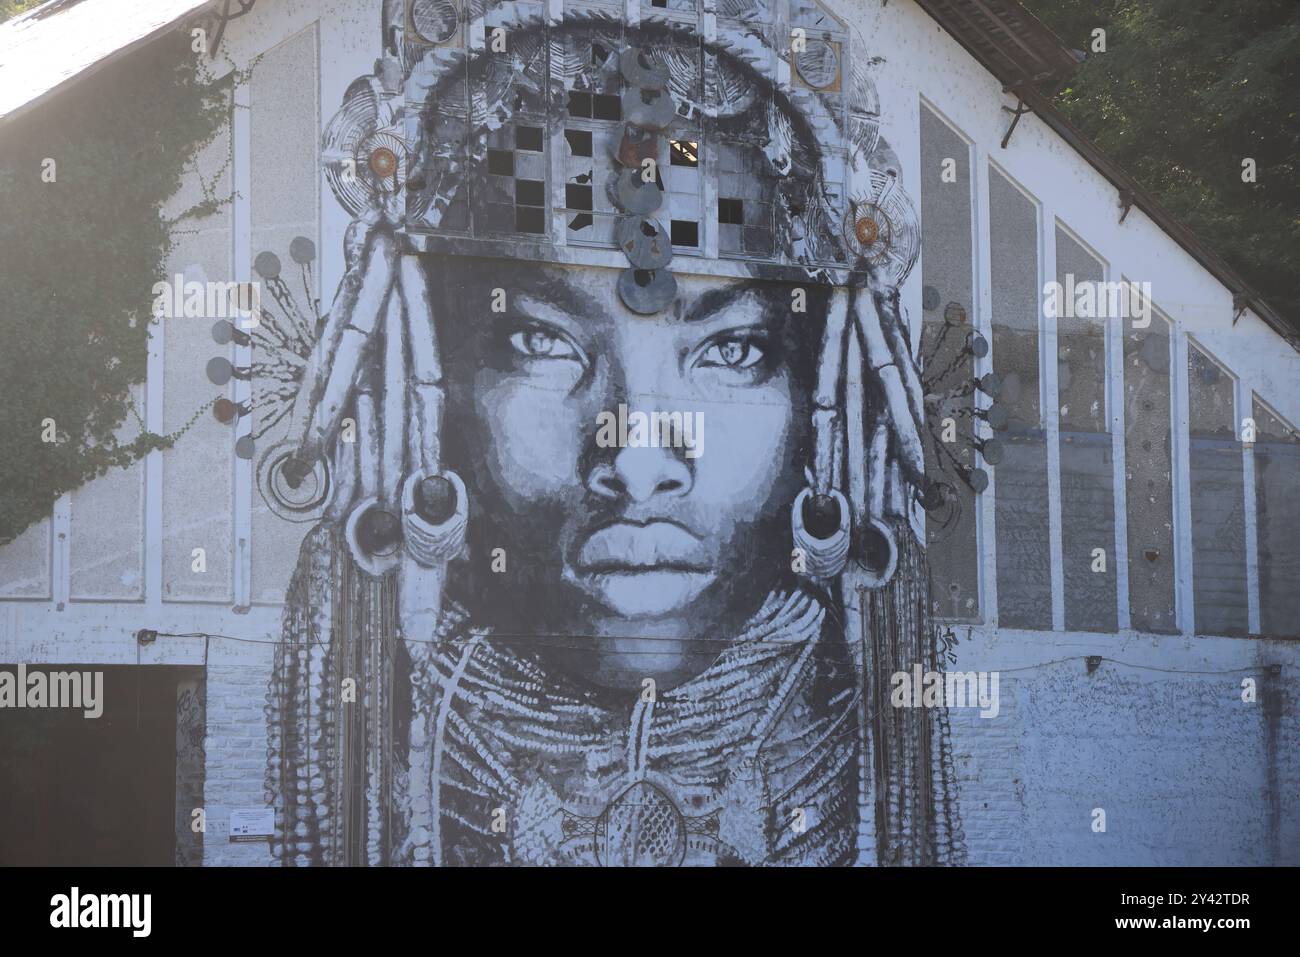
{"x": 631, "y": 534}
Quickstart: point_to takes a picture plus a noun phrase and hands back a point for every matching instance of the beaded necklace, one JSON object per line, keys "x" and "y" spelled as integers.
{"x": 749, "y": 760}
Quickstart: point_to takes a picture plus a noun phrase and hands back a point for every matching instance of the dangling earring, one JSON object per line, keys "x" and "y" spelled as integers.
{"x": 374, "y": 537}
{"x": 819, "y": 524}
{"x": 435, "y": 514}
{"x": 877, "y": 553}
{"x": 431, "y": 528}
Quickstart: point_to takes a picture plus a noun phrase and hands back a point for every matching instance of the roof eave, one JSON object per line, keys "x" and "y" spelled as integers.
{"x": 1050, "y": 71}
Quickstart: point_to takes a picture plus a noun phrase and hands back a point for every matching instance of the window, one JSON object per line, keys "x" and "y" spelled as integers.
{"x": 501, "y": 162}
{"x": 1218, "y": 502}
{"x": 685, "y": 233}
{"x": 528, "y": 138}
{"x": 579, "y": 142}
{"x": 529, "y": 219}
{"x": 529, "y": 192}
{"x": 1277, "y": 489}
{"x": 579, "y": 103}
{"x": 683, "y": 153}
{"x": 597, "y": 106}
{"x": 606, "y": 106}
{"x": 731, "y": 212}
{"x": 577, "y": 196}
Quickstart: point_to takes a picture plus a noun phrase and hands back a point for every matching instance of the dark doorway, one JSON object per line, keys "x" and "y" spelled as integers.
{"x": 92, "y": 791}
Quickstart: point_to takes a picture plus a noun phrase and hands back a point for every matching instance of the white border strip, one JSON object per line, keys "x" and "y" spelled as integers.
{"x": 1115, "y": 332}
{"x": 1184, "y": 595}
{"x": 1050, "y": 405}
{"x": 986, "y": 542}
{"x": 1243, "y": 395}
{"x": 153, "y": 469}
{"x": 61, "y": 527}
{"x": 241, "y": 224}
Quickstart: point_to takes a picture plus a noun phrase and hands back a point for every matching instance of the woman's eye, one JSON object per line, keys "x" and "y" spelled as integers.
{"x": 536, "y": 342}
{"x": 732, "y": 354}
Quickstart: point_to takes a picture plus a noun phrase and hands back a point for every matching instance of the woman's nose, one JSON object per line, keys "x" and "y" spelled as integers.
{"x": 639, "y": 474}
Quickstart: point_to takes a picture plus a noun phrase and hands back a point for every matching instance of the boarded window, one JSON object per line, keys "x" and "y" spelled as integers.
{"x": 1087, "y": 462}
{"x": 1218, "y": 505}
{"x": 1277, "y": 507}
{"x": 1023, "y": 552}
{"x": 1148, "y": 461}
{"x": 946, "y": 263}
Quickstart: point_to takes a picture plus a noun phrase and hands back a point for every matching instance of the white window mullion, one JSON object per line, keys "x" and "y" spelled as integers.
{"x": 1115, "y": 332}
{"x": 1050, "y": 403}
{"x": 242, "y": 230}
{"x": 1246, "y": 409}
{"x": 61, "y": 575}
{"x": 982, "y": 320}
{"x": 1184, "y": 596}
{"x": 153, "y": 468}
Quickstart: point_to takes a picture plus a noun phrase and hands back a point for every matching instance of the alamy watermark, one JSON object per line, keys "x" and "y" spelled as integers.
{"x": 56, "y": 689}
{"x": 952, "y": 689}
{"x": 208, "y": 300}
{"x": 676, "y": 430}
{"x": 76, "y": 909}
{"x": 1098, "y": 300}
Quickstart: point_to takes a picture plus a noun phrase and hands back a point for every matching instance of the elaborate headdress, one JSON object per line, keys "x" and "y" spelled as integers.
{"x": 510, "y": 130}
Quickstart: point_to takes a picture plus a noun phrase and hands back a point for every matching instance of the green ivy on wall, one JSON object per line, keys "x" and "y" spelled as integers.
{"x": 83, "y": 179}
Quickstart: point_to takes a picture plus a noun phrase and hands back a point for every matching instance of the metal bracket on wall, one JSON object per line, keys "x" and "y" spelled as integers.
{"x": 1239, "y": 303}
{"x": 1019, "y": 111}
{"x": 1126, "y": 200}
{"x": 224, "y": 17}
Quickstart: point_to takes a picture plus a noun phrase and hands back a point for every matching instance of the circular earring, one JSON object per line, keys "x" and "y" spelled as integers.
{"x": 877, "y": 553}
{"x": 435, "y": 515}
{"x": 431, "y": 527}
{"x": 819, "y": 524}
{"x": 374, "y": 537}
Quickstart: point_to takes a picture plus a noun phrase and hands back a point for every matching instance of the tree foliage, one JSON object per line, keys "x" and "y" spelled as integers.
{"x": 78, "y": 260}
{"x": 1184, "y": 92}
{"x": 11, "y": 8}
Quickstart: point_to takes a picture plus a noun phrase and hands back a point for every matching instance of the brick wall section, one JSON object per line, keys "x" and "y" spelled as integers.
{"x": 238, "y": 674}
{"x": 1186, "y": 772}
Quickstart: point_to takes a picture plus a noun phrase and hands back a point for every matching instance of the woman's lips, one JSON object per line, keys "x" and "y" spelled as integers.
{"x": 634, "y": 547}
{"x": 647, "y": 569}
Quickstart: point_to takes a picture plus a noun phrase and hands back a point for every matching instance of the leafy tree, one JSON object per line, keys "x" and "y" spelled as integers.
{"x": 11, "y": 8}
{"x": 78, "y": 259}
{"x": 1184, "y": 92}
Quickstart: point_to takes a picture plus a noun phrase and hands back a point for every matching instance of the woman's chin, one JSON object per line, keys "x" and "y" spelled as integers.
{"x": 645, "y": 593}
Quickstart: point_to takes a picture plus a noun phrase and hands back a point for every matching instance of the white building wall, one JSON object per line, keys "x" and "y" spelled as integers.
{"x": 1156, "y": 735}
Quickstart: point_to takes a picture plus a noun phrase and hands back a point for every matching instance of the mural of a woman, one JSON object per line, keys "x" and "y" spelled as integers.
{"x": 512, "y": 640}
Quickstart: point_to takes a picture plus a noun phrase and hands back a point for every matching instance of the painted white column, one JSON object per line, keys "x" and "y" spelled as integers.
{"x": 1116, "y": 329}
{"x": 153, "y": 469}
{"x": 1246, "y": 409}
{"x": 242, "y": 232}
{"x": 61, "y": 527}
{"x": 982, "y": 322}
{"x": 1180, "y": 435}
{"x": 1050, "y": 403}
{"x": 707, "y": 153}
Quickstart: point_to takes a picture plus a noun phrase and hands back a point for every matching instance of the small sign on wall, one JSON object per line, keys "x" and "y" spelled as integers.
{"x": 249, "y": 825}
